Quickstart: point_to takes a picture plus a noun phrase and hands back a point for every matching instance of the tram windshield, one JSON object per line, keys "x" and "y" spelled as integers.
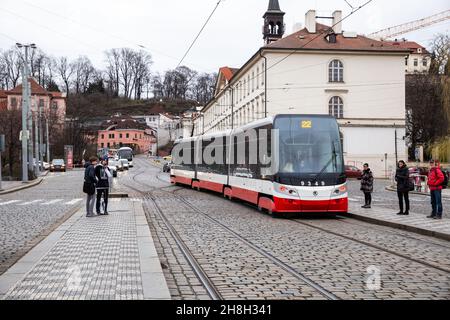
{"x": 309, "y": 144}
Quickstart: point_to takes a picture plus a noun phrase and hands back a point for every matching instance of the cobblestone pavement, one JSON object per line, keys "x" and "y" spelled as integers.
{"x": 342, "y": 256}
{"x": 103, "y": 258}
{"x": 388, "y": 199}
{"x": 28, "y": 215}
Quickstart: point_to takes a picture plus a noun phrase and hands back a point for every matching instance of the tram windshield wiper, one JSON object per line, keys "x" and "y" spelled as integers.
{"x": 333, "y": 159}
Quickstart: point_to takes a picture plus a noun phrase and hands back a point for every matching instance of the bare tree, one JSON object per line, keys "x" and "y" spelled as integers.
{"x": 11, "y": 68}
{"x": 83, "y": 74}
{"x": 65, "y": 72}
{"x": 440, "y": 47}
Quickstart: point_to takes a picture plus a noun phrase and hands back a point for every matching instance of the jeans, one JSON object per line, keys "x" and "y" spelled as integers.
{"x": 100, "y": 193}
{"x": 402, "y": 195}
{"x": 368, "y": 198}
{"x": 90, "y": 201}
{"x": 436, "y": 202}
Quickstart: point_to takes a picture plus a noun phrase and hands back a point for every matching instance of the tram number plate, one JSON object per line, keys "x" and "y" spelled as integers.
{"x": 306, "y": 124}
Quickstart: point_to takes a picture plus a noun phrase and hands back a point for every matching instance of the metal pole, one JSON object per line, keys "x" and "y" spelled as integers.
{"x": 48, "y": 141}
{"x": 41, "y": 140}
{"x": 36, "y": 144}
{"x": 29, "y": 115}
{"x": 24, "y": 120}
{"x": 396, "y": 150}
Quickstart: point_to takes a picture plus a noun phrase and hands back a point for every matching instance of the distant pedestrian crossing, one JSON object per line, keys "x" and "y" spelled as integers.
{"x": 55, "y": 202}
{"x": 40, "y": 202}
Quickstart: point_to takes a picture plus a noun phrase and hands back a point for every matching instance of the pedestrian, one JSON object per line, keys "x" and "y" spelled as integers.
{"x": 89, "y": 185}
{"x": 367, "y": 186}
{"x": 435, "y": 181}
{"x": 103, "y": 175}
{"x": 404, "y": 186}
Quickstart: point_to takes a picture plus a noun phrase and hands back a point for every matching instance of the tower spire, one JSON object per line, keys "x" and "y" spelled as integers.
{"x": 273, "y": 29}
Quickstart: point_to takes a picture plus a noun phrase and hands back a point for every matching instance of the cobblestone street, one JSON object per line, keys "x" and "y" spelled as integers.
{"x": 207, "y": 247}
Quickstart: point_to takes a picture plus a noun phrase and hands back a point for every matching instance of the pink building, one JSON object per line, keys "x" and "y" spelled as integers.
{"x": 126, "y": 132}
{"x": 53, "y": 103}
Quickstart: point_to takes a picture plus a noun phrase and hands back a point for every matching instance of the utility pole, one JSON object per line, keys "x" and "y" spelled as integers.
{"x": 41, "y": 140}
{"x": 25, "y": 113}
{"x": 396, "y": 149}
{"x": 47, "y": 140}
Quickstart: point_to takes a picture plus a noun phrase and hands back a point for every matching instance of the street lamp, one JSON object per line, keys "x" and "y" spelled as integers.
{"x": 26, "y": 112}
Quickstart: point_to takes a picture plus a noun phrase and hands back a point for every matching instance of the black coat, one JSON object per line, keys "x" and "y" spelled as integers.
{"x": 102, "y": 178}
{"x": 402, "y": 178}
{"x": 367, "y": 181}
{"x": 89, "y": 174}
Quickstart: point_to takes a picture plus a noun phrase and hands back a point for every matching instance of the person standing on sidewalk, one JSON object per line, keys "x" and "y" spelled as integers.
{"x": 435, "y": 180}
{"x": 103, "y": 175}
{"x": 367, "y": 186}
{"x": 89, "y": 185}
{"x": 403, "y": 186}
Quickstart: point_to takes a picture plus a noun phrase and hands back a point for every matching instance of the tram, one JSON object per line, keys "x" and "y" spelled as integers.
{"x": 281, "y": 164}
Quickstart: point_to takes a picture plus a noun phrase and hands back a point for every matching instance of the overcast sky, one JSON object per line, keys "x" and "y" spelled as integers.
{"x": 166, "y": 28}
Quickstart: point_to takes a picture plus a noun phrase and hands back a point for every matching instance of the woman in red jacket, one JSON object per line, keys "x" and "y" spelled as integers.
{"x": 435, "y": 180}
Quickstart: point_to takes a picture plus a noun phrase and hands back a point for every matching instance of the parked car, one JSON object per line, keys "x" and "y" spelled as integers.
{"x": 353, "y": 172}
{"x": 112, "y": 168}
{"x": 125, "y": 164}
{"x": 167, "y": 166}
{"x": 117, "y": 164}
{"x": 58, "y": 165}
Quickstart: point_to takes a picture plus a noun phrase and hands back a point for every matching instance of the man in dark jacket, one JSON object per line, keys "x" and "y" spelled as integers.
{"x": 102, "y": 173}
{"x": 435, "y": 180}
{"x": 89, "y": 185}
{"x": 403, "y": 186}
{"x": 367, "y": 186}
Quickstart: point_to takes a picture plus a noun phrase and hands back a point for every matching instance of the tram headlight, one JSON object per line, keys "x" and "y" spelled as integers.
{"x": 286, "y": 190}
{"x": 340, "y": 191}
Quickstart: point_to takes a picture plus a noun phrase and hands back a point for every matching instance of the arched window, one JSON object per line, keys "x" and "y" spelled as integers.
{"x": 336, "y": 71}
{"x": 336, "y": 107}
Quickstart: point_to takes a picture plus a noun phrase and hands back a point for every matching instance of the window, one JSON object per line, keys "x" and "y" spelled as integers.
{"x": 128, "y": 135}
{"x": 424, "y": 62}
{"x": 41, "y": 103}
{"x": 103, "y": 145}
{"x": 416, "y": 62}
{"x": 336, "y": 107}
{"x": 54, "y": 104}
{"x": 336, "y": 71}
{"x": 13, "y": 102}
{"x": 406, "y": 61}
{"x": 103, "y": 137}
{"x": 120, "y": 136}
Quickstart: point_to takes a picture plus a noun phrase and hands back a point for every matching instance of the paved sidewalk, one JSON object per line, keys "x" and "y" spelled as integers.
{"x": 445, "y": 192}
{"x": 415, "y": 222}
{"x": 102, "y": 258}
{"x": 13, "y": 186}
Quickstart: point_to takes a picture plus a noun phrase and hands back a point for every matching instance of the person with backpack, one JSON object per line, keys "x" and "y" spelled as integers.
{"x": 90, "y": 181}
{"x": 435, "y": 181}
{"x": 367, "y": 186}
{"x": 103, "y": 175}
{"x": 404, "y": 186}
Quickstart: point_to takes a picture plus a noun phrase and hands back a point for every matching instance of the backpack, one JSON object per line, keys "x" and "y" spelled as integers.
{"x": 445, "y": 183}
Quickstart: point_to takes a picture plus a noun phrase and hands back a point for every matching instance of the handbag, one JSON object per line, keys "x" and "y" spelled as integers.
{"x": 88, "y": 188}
{"x": 411, "y": 186}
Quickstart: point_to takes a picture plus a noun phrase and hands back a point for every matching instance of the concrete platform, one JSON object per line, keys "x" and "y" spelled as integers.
{"x": 414, "y": 222}
{"x": 101, "y": 258}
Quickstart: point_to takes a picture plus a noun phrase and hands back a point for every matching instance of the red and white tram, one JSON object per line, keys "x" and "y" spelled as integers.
{"x": 306, "y": 171}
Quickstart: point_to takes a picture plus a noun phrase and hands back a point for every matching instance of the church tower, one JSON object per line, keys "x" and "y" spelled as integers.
{"x": 273, "y": 29}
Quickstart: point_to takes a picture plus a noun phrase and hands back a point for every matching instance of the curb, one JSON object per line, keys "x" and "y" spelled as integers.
{"x": 26, "y": 186}
{"x": 118, "y": 195}
{"x": 400, "y": 226}
{"x": 394, "y": 189}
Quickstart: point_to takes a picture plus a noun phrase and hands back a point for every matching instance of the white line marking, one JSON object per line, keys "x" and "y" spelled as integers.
{"x": 74, "y": 201}
{"x": 29, "y": 202}
{"x": 51, "y": 202}
{"x": 9, "y": 202}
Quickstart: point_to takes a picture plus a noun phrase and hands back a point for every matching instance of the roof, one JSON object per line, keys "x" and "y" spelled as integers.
{"x": 36, "y": 88}
{"x": 228, "y": 72}
{"x": 411, "y": 45}
{"x": 274, "y": 5}
{"x": 305, "y": 40}
{"x": 3, "y": 94}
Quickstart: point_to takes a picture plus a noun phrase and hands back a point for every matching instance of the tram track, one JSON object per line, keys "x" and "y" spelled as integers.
{"x": 276, "y": 261}
{"x": 213, "y": 292}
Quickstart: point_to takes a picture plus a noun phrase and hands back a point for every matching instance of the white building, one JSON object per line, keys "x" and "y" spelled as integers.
{"x": 317, "y": 70}
{"x": 419, "y": 59}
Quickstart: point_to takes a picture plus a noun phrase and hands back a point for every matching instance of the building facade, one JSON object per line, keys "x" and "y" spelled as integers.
{"x": 419, "y": 59}
{"x": 319, "y": 70}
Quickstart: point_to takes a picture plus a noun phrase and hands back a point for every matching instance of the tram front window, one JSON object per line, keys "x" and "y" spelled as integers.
{"x": 308, "y": 145}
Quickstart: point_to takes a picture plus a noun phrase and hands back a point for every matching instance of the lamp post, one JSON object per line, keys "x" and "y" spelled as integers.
{"x": 26, "y": 91}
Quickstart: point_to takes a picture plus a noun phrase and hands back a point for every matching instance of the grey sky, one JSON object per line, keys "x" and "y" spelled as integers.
{"x": 166, "y": 28}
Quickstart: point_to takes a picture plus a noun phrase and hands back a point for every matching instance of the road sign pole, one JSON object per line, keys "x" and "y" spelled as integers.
{"x": 25, "y": 103}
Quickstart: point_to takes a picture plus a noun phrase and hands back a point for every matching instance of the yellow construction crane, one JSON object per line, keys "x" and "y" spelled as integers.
{"x": 410, "y": 26}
